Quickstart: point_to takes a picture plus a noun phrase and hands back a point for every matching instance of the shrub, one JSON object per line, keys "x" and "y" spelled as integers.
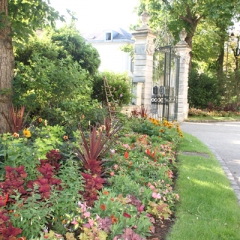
{"x": 54, "y": 76}
{"x": 120, "y": 87}
{"x": 202, "y": 90}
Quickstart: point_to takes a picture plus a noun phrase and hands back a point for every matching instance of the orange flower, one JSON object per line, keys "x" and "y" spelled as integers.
{"x": 16, "y": 135}
{"x": 105, "y": 192}
{"x": 65, "y": 137}
{"x": 126, "y": 155}
{"x": 112, "y": 199}
{"x": 103, "y": 207}
{"x": 114, "y": 220}
{"x": 40, "y": 120}
{"x": 112, "y": 173}
{"x": 148, "y": 152}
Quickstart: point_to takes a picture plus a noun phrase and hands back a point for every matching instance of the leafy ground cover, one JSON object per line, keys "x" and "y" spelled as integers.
{"x": 208, "y": 207}
{"x": 109, "y": 181}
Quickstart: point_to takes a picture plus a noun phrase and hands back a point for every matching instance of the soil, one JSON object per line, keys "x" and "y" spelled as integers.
{"x": 161, "y": 229}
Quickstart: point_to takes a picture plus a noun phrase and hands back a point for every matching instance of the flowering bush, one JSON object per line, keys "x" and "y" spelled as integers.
{"x": 120, "y": 194}
{"x": 213, "y": 112}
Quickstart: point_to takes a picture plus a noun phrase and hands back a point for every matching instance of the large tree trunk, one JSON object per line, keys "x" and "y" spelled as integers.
{"x": 191, "y": 21}
{"x": 6, "y": 69}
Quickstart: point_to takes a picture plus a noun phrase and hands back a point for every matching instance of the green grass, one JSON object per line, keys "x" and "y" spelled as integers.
{"x": 208, "y": 208}
{"x": 212, "y": 118}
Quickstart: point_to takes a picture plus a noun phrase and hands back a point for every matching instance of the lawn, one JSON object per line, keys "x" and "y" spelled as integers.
{"x": 208, "y": 207}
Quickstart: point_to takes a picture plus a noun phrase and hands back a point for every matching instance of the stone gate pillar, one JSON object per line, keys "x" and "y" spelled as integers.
{"x": 182, "y": 50}
{"x": 143, "y": 63}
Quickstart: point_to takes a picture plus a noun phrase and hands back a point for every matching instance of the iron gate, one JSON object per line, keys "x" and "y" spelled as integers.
{"x": 164, "y": 101}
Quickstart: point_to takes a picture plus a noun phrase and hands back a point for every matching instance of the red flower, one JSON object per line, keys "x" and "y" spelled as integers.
{"x": 3, "y": 200}
{"x": 114, "y": 220}
{"x": 148, "y": 152}
{"x": 103, "y": 207}
{"x": 126, "y": 155}
{"x": 126, "y": 215}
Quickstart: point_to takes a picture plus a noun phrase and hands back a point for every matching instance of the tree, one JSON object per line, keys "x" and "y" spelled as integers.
{"x": 18, "y": 20}
{"x": 72, "y": 43}
{"x": 189, "y": 14}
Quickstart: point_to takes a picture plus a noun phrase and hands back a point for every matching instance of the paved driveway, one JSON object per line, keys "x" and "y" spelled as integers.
{"x": 223, "y": 138}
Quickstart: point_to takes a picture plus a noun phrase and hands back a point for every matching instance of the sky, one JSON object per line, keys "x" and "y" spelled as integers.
{"x": 94, "y": 15}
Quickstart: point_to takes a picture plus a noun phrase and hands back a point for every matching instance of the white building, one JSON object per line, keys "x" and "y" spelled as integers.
{"x": 108, "y": 43}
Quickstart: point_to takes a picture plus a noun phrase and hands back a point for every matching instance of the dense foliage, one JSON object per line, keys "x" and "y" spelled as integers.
{"x": 202, "y": 90}
{"x": 120, "y": 86}
{"x": 54, "y": 75}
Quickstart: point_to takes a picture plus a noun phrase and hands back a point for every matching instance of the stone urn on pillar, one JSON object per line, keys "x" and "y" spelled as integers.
{"x": 145, "y": 17}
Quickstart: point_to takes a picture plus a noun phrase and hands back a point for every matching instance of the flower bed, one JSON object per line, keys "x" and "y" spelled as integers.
{"x": 112, "y": 182}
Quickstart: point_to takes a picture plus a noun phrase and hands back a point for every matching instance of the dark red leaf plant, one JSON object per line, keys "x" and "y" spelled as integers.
{"x": 90, "y": 152}
{"x": 17, "y": 120}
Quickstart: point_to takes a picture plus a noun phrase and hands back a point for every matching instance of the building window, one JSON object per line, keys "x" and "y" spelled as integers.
{"x": 108, "y": 36}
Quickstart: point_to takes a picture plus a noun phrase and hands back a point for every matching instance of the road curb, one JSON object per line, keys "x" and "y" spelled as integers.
{"x": 228, "y": 173}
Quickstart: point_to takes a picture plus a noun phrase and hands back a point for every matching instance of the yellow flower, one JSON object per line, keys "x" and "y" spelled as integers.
{"x": 40, "y": 120}
{"x": 27, "y": 133}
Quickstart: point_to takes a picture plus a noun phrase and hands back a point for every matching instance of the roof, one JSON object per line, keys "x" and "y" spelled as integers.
{"x": 117, "y": 35}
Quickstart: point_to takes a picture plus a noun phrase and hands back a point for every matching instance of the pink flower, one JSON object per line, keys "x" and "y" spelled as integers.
{"x": 91, "y": 222}
{"x": 126, "y": 146}
{"x": 156, "y": 195}
{"x": 140, "y": 208}
{"x": 74, "y": 222}
{"x": 87, "y": 214}
{"x": 151, "y": 187}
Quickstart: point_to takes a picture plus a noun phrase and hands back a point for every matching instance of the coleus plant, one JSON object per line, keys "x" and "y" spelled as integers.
{"x": 7, "y": 231}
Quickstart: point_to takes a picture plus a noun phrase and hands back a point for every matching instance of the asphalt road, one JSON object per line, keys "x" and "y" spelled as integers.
{"x": 223, "y": 139}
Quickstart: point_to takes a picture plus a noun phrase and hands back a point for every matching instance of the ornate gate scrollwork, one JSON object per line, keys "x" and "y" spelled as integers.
{"x": 164, "y": 101}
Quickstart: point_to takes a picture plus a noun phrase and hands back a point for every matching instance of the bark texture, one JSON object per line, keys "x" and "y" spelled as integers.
{"x": 6, "y": 68}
